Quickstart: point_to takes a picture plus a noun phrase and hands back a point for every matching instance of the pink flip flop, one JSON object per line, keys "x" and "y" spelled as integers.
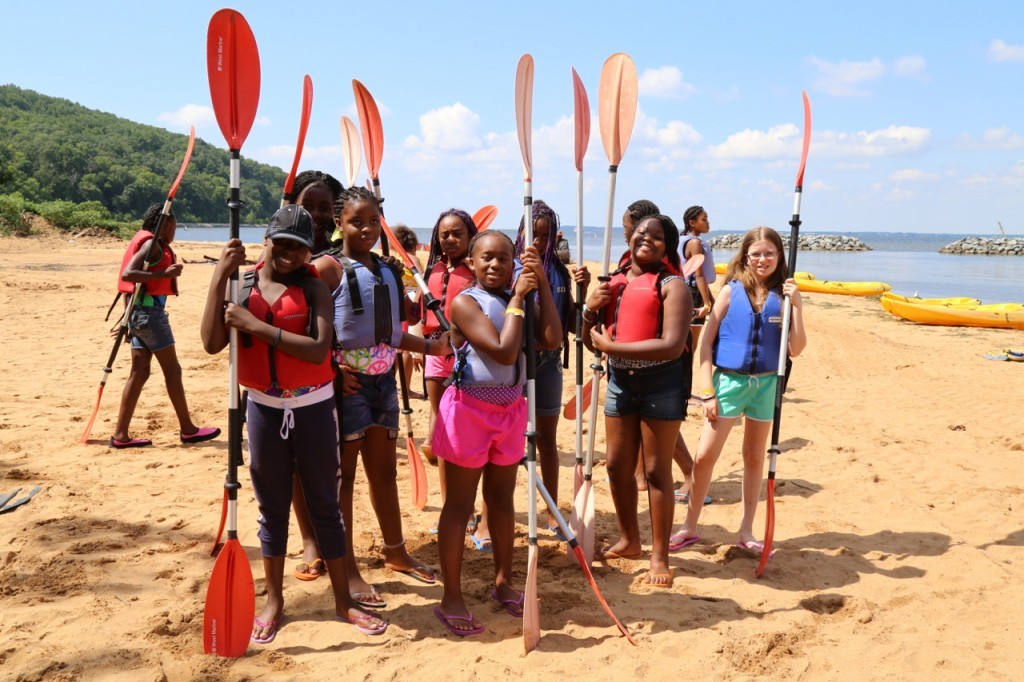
{"x": 447, "y": 621}
{"x": 754, "y": 547}
{"x": 678, "y": 541}
{"x": 133, "y": 443}
{"x": 269, "y": 638}
{"x": 514, "y": 607}
{"x": 366, "y": 630}
{"x": 202, "y": 434}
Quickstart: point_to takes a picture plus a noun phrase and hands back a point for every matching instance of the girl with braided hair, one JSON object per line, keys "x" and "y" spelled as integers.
{"x": 551, "y": 362}
{"x": 317, "y": 192}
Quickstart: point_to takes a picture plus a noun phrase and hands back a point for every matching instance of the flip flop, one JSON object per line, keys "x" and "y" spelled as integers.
{"x": 684, "y": 498}
{"x": 509, "y": 604}
{"x": 421, "y": 573}
{"x": 364, "y": 599}
{"x": 204, "y": 433}
{"x": 133, "y": 443}
{"x": 648, "y": 579}
{"x": 678, "y": 541}
{"x": 304, "y": 570}
{"x": 446, "y": 620}
{"x": 4, "y": 499}
{"x": 10, "y": 506}
{"x": 366, "y": 630}
{"x": 755, "y": 547}
{"x": 269, "y": 638}
{"x": 482, "y": 544}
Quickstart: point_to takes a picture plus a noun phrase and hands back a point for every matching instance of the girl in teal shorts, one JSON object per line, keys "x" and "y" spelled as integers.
{"x": 742, "y": 339}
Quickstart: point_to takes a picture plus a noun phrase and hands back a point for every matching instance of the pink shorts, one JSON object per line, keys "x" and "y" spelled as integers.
{"x": 439, "y": 366}
{"x": 471, "y": 433}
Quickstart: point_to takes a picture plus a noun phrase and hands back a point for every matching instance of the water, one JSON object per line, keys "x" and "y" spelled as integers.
{"x": 909, "y": 262}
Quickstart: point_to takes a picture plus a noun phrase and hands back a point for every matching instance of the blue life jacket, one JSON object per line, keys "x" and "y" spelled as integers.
{"x": 356, "y": 327}
{"x": 473, "y": 368}
{"x": 748, "y": 342}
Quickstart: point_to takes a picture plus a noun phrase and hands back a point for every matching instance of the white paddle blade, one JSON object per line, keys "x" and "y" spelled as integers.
{"x": 531, "y": 608}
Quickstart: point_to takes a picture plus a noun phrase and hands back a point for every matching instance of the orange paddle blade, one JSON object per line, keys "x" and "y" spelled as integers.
{"x": 569, "y": 411}
{"x": 184, "y": 163}
{"x": 581, "y": 113}
{"x": 233, "y": 66}
{"x": 807, "y": 141}
{"x": 484, "y": 217}
{"x": 417, "y": 473}
{"x": 616, "y": 97}
{"x": 693, "y": 264}
{"x": 396, "y": 245}
{"x": 230, "y": 604}
{"x": 769, "y": 529}
{"x": 307, "y": 107}
{"x": 373, "y": 130}
{"x": 524, "y": 111}
{"x": 92, "y": 417}
{"x": 531, "y": 609}
{"x": 350, "y": 150}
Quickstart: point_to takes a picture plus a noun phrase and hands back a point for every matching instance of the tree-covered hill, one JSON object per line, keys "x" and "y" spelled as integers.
{"x": 52, "y": 149}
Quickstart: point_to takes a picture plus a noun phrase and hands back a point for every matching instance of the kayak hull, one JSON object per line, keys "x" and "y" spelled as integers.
{"x": 996, "y": 316}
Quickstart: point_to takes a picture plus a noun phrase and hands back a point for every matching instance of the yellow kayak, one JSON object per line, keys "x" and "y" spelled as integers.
{"x": 952, "y": 301}
{"x": 996, "y": 315}
{"x": 847, "y": 288}
{"x": 721, "y": 267}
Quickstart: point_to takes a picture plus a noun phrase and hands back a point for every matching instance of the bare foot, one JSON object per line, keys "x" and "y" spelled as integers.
{"x": 620, "y": 550}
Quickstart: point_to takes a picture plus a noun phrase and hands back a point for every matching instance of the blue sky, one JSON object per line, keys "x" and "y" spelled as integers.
{"x": 918, "y": 112}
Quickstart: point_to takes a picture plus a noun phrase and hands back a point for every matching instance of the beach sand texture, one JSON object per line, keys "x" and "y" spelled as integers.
{"x": 899, "y": 534}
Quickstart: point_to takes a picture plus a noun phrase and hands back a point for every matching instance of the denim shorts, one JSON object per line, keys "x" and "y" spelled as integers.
{"x": 747, "y": 394}
{"x": 156, "y": 336}
{"x": 652, "y": 392}
{"x": 376, "y": 404}
{"x": 549, "y": 383}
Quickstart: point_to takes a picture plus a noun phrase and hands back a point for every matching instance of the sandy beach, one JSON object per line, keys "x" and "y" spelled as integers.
{"x": 898, "y": 529}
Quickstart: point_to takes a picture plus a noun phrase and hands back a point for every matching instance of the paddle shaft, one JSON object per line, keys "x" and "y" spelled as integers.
{"x": 231, "y": 485}
{"x": 529, "y": 331}
{"x": 581, "y": 293}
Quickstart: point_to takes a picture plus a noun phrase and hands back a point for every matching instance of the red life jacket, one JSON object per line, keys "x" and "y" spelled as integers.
{"x": 635, "y": 312}
{"x": 261, "y": 366}
{"x": 445, "y": 286}
{"x": 158, "y": 287}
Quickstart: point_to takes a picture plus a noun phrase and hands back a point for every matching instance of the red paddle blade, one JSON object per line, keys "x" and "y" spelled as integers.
{"x": 616, "y": 105}
{"x": 230, "y": 604}
{"x": 233, "y": 67}
{"x": 578, "y": 552}
{"x": 373, "y": 131}
{"x": 531, "y": 609}
{"x": 807, "y": 141}
{"x": 484, "y": 217}
{"x": 350, "y": 150}
{"x": 220, "y": 529}
{"x": 307, "y": 107}
{"x": 184, "y": 163}
{"x": 417, "y": 473}
{"x": 92, "y": 417}
{"x": 581, "y": 113}
{"x": 396, "y": 245}
{"x": 769, "y": 529}
{"x": 569, "y": 411}
{"x": 524, "y": 111}
{"x": 693, "y": 264}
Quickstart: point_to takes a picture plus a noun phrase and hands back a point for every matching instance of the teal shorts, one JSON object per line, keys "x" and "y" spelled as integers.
{"x": 746, "y": 394}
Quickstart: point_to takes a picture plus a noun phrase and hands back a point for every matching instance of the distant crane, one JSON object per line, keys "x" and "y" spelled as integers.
{"x": 1001, "y": 230}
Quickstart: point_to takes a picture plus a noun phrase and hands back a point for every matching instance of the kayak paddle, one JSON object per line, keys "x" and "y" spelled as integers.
{"x": 373, "y": 141}
{"x": 350, "y": 150}
{"x": 429, "y": 300}
{"x": 787, "y": 307}
{"x": 307, "y": 106}
{"x": 122, "y": 331}
{"x": 616, "y": 98}
{"x": 484, "y": 217}
{"x": 581, "y": 116}
{"x": 233, "y": 68}
{"x": 524, "y": 113}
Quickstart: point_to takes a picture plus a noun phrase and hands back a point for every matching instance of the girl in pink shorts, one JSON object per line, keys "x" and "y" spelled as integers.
{"x": 482, "y": 415}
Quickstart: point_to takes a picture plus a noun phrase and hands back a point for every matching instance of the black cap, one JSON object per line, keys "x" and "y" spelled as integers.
{"x": 292, "y": 222}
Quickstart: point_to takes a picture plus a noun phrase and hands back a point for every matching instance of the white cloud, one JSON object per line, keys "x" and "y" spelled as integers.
{"x": 1000, "y": 51}
{"x": 198, "y": 115}
{"x": 912, "y": 66}
{"x": 911, "y": 175}
{"x": 448, "y": 128}
{"x": 777, "y": 141}
{"x": 892, "y": 141}
{"x": 677, "y": 133}
{"x": 993, "y": 138}
{"x": 844, "y": 79}
{"x": 666, "y": 82}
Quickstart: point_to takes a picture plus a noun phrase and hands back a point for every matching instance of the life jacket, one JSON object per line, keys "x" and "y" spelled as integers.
{"x": 707, "y": 267}
{"x": 635, "y": 312}
{"x": 445, "y": 286}
{"x": 473, "y": 368}
{"x": 158, "y": 287}
{"x": 748, "y": 341}
{"x": 261, "y": 366}
{"x": 354, "y": 325}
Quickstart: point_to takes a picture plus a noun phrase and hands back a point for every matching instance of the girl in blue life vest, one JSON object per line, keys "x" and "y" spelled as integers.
{"x": 646, "y": 313}
{"x": 550, "y": 362}
{"x": 482, "y": 418}
{"x": 369, "y": 305}
{"x": 153, "y": 336}
{"x": 742, "y": 338}
{"x": 284, "y": 324}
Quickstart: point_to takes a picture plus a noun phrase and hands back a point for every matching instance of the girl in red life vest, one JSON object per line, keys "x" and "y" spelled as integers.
{"x": 641, "y": 208}
{"x": 151, "y": 331}
{"x": 368, "y": 303}
{"x": 482, "y": 421}
{"x": 283, "y": 361}
{"x": 646, "y": 312}
{"x": 742, "y": 338}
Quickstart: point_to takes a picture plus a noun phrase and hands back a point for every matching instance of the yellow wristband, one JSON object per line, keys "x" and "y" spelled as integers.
{"x": 518, "y": 312}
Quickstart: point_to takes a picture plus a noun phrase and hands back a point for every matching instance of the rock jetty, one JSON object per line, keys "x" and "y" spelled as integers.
{"x": 808, "y": 242}
{"x": 986, "y": 246}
